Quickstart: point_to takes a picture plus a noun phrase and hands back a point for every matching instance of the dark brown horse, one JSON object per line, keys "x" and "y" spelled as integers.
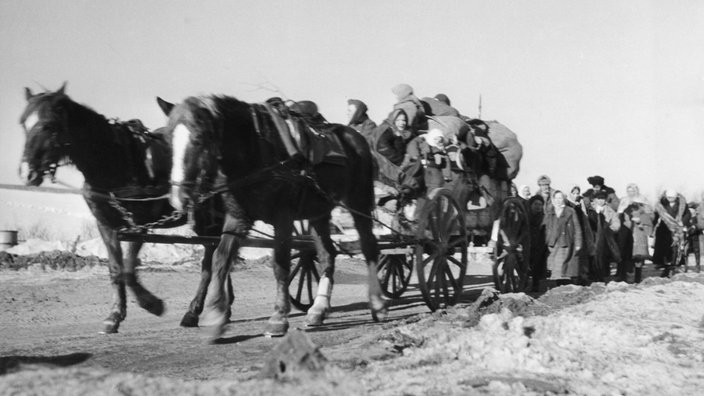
{"x": 126, "y": 172}
{"x": 226, "y": 146}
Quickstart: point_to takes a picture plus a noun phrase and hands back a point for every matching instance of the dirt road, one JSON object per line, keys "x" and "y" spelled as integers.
{"x": 59, "y": 313}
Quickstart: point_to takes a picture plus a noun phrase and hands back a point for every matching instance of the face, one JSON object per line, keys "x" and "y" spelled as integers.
{"x": 526, "y": 191}
{"x": 575, "y": 192}
{"x": 596, "y": 187}
{"x": 599, "y": 201}
{"x": 351, "y": 109}
{"x": 558, "y": 200}
{"x": 671, "y": 198}
{"x": 44, "y": 130}
{"x": 536, "y": 207}
{"x": 544, "y": 187}
{"x": 631, "y": 191}
{"x": 401, "y": 122}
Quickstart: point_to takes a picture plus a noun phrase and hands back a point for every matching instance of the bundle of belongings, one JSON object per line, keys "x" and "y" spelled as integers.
{"x": 488, "y": 150}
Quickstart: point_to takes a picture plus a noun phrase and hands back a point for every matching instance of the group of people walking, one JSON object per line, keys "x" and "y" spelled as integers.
{"x": 581, "y": 237}
{"x": 576, "y": 237}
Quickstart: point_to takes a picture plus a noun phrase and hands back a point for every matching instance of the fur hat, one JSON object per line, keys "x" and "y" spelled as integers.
{"x": 601, "y": 194}
{"x": 670, "y": 192}
{"x": 596, "y": 181}
{"x": 544, "y": 179}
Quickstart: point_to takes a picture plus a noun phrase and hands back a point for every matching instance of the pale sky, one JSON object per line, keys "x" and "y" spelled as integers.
{"x": 614, "y": 88}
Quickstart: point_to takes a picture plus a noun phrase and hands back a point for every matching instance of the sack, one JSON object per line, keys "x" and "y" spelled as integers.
{"x": 434, "y": 107}
{"x": 411, "y": 179}
{"x": 507, "y": 143}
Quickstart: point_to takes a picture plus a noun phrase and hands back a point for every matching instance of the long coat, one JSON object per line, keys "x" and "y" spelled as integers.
{"x": 563, "y": 236}
{"x": 670, "y": 221}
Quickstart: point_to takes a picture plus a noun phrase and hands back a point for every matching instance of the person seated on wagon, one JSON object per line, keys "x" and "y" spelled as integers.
{"x": 360, "y": 121}
{"x": 434, "y": 151}
{"x": 407, "y": 101}
{"x": 393, "y": 136}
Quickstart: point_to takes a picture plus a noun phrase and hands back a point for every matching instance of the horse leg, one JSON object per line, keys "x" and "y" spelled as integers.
{"x": 218, "y": 296}
{"x": 370, "y": 250}
{"x": 277, "y": 326}
{"x": 190, "y": 318}
{"x": 326, "y": 251}
{"x": 145, "y": 298}
{"x": 118, "y": 312}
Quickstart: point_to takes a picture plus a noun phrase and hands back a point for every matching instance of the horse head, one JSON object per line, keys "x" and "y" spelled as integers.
{"x": 195, "y": 139}
{"x": 45, "y": 129}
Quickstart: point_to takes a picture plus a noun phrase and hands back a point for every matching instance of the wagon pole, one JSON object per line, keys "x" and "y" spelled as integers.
{"x": 479, "y": 116}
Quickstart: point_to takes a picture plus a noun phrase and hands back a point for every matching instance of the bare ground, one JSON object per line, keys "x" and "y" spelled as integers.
{"x": 49, "y": 322}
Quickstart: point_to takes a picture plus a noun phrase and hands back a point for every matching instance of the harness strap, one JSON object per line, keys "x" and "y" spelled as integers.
{"x": 283, "y": 130}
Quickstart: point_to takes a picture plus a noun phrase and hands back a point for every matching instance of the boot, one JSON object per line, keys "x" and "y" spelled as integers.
{"x": 639, "y": 275}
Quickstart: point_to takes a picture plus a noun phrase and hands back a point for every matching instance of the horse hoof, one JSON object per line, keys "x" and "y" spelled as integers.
{"x": 110, "y": 327}
{"x": 154, "y": 306}
{"x": 315, "y": 319}
{"x": 276, "y": 329}
{"x": 380, "y": 314}
{"x": 215, "y": 333}
{"x": 189, "y": 320}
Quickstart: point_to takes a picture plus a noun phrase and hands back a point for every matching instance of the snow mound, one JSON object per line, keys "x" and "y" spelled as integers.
{"x": 643, "y": 339}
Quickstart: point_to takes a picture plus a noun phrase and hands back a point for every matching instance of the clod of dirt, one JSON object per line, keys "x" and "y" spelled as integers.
{"x": 491, "y": 301}
{"x": 296, "y": 355}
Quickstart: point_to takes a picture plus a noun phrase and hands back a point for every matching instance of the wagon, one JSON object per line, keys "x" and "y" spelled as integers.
{"x": 435, "y": 245}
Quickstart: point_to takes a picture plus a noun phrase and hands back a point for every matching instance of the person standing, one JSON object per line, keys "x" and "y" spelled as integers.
{"x": 539, "y": 250}
{"x": 671, "y": 215}
{"x": 636, "y": 216}
{"x": 597, "y": 183}
{"x": 360, "y": 121}
{"x": 604, "y": 223}
{"x": 563, "y": 236}
{"x": 696, "y": 231}
{"x": 588, "y": 251}
{"x": 545, "y": 191}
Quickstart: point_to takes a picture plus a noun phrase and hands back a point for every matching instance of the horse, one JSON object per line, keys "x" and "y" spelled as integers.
{"x": 126, "y": 171}
{"x": 225, "y": 146}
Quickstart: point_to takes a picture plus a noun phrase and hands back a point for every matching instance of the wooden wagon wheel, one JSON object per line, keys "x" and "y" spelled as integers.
{"x": 394, "y": 271}
{"x": 441, "y": 250}
{"x": 305, "y": 275}
{"x": 510, "y": 256}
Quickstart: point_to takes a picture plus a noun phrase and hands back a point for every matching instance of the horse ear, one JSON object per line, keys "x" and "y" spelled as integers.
{"x": 165, "y": 106}
{"x": 62, "y": 89}
{"x": 28, "y": 93}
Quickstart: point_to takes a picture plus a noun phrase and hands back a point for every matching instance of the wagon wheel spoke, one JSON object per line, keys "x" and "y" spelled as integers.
{"x": 451, "y": 277}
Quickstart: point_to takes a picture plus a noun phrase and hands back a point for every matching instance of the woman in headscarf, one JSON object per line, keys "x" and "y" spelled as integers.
{"x": 524, "y": 191}
{"x": 636, "y": 215}
{"x": 393, "y": 136}
{"x": 671, "y": 216}
{"x": 360, "y": 121}
{"x": 563, "y": 235}
{"x": 407, "y": 101}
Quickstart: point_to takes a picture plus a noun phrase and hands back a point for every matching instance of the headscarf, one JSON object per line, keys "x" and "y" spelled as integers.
{"x": 360, "y": 114}
{"x": 627, "y": 200}
{"x": 523, "y": 187}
